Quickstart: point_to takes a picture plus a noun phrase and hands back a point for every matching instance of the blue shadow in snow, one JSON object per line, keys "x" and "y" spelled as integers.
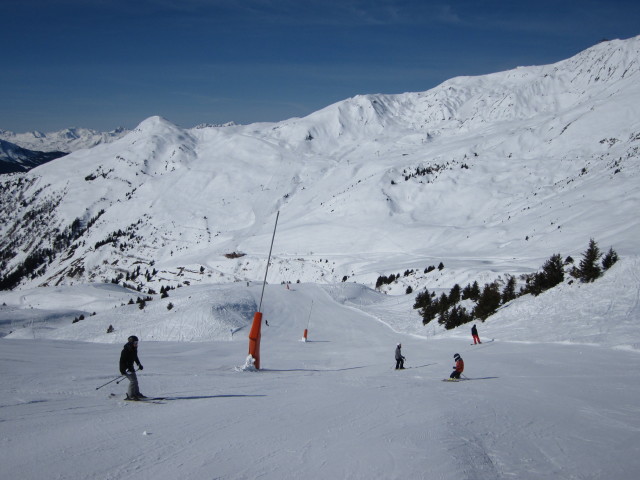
{"x": 311, "y": 369}
{"x": 201, "y": 397}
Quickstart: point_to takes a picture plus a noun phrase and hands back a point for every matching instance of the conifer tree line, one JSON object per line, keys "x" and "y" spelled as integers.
{"x": 55, "y": 243}
{"x": 489, "y": 298}
{"x": 35, "y": 263}
{"x": 133, "y": 276}
{"x": 388, "y": 280}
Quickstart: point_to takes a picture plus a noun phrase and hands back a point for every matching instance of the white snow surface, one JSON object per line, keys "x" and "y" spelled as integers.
{"x": 552, "y": 393}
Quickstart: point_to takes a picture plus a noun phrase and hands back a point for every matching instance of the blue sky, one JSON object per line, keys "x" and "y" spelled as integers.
{"x": 102, "y": 64}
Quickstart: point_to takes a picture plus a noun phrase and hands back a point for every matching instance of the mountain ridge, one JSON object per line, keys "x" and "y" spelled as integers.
{"x": 65, "y": 140}
{"x": 469, "y": 171}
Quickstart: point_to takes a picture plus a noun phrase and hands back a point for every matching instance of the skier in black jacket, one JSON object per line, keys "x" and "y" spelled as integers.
{"x": 128, "y": 356}
{"x": 399, "y": 358}
{"x": 474, "y": 334}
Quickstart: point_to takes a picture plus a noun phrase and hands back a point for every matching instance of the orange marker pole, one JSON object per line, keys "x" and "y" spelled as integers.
{"x": 306, "y": 330}
{"x": 256, "y": 327}
{"x": 254, "y": 339}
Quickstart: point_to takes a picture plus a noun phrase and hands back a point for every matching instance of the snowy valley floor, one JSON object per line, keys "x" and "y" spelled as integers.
{"x": 332, "y": 407}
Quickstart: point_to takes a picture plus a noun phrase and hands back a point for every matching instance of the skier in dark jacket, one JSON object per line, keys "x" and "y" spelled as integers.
{"x": 399, "y": 358}
{"x": 474, "y": 334}
{"x": 128, "y": 357}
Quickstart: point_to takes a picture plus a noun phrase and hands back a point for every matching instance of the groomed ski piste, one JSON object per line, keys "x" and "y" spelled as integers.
{"x": 556, "y": 395}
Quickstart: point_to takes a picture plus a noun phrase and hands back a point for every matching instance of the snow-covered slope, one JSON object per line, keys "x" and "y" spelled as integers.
{"x": 488, "y": 174}
{"x": 604, "y": 312}
{"x": 540, "y": 403}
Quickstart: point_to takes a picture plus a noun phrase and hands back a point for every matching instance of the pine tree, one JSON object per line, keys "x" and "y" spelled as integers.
{"x": 475, "y": 291}
{"x": 589, "y": 270}
{"x": 509, "y": 291}
{"x": 454, "y": 294}
{"x": 488, "y": 302}
{"x": 428, "y": 307}
{"x": 453, "y": 319}
{"x": 609, "y": 259}
{"x": 458, "y": 316}
{"x": 423, "y": 299}
{"x": 443, "y": 303}
{"x": 553, "y": 271}
{"x": 552, "y": 274}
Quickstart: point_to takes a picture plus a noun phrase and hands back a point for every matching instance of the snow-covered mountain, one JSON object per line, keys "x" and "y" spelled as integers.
{"x": 17, "y": 159}
{"x": 67, "y": 140}
{"x": 489, "y": 175}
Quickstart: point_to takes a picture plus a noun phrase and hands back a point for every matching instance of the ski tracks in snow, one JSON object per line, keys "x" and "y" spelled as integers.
{"x": 634, "y": 311}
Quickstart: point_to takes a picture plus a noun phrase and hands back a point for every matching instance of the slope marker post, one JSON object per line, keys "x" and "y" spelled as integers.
{"x": 256, "y": 327}
{"x": 306, "y": 330}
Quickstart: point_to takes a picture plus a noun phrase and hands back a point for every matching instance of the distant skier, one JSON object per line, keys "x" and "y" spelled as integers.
{"x": 128, "y": 357}
{"x": 474, "y": 334}
{"x": 458, "y": 368}
{"x": 399, "y": 358}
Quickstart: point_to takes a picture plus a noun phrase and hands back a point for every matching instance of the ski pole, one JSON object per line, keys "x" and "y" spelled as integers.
{"x": 114, "y": 380}
{"x": 110, "y": 381}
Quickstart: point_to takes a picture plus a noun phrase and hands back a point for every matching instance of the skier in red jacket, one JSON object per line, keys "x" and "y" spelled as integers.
{"x": 459, "y": 367}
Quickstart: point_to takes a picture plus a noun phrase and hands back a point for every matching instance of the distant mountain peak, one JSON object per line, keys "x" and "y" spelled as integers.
{"x": 66, "y": 140}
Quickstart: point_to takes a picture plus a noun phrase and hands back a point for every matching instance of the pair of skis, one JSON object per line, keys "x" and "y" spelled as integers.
{"x": 481, "y": 343}
{"x": 159, "y": 400}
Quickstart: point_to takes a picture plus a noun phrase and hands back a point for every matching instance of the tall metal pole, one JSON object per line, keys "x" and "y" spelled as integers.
{"x": 306, "y": 330}
{"x": 309, "y": 319}
{"x": 268, "y": 261}
{"x": 254, "y": 333}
